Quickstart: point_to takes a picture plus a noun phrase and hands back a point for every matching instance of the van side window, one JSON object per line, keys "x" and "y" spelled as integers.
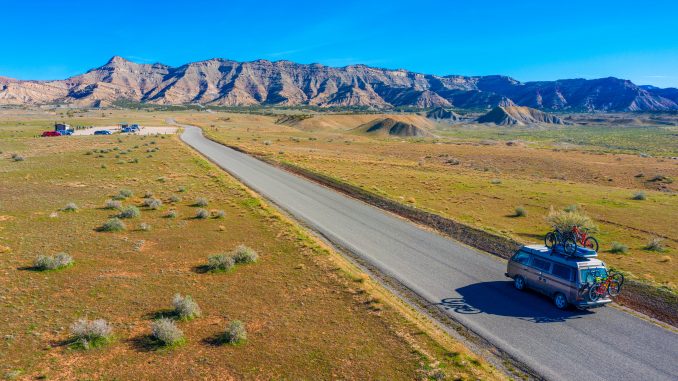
{"x": 521, "y": 257}
{"x": 541, "y": 264}
{"x": 561, "y": 271}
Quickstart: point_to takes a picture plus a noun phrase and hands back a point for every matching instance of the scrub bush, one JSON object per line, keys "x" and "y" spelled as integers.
{"x": 91, "y": 333}
{"x": 243, "y": 254}
{"x": 59, "y": 261}
{"x": 129, "y": 212}
{"x": 185, "y": 307}
{"x": 113, "y": 225}
{"x": 220, "y": 262}
{"x": 166, "y": 332}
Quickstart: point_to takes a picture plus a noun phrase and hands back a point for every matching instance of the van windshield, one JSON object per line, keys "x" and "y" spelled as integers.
{"x": 589, "y": 275}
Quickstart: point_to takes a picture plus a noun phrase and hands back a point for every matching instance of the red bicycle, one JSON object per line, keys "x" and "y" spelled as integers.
{"x": 584, "y": 238}
{"x": 601, "y": 284}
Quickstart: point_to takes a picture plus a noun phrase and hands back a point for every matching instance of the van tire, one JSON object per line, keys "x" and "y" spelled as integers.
{"x": 519, "y": 283}
{"x": 560, "y": 301}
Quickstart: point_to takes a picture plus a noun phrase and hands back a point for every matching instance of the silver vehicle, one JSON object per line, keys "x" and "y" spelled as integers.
{"x": 563, "y": 278}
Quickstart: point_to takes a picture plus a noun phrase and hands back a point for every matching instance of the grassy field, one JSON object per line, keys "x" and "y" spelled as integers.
{"x": 307, "y": 314}
{"x": 650, "y": 140}
{"x": 481, "y": 181}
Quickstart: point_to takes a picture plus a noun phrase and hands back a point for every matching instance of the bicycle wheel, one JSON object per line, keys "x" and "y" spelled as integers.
{"x": 591, "y": 243}
{"x": 616, "y": 281}
{"x": 593, "y": 292}
{"x": 550, "y": 240}
{"x": 569, "y": 244}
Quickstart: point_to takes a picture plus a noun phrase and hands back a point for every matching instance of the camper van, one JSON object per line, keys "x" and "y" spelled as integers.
{"x": 565, "y": 279}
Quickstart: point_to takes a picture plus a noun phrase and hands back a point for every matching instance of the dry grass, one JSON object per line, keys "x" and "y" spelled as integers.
{"x": 293, "y": 299}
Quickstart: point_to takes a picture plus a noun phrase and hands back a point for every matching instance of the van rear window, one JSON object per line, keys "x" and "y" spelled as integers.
{"x": 561, "y": 271}
{"x": 591, "y": 274}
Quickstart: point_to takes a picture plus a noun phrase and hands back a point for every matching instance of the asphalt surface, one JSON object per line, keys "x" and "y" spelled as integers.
{"x": 603, "y": 344}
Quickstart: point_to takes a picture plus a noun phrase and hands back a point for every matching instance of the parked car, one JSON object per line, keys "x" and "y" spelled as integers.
{"x": 51, "y": 133}
{"x": 565, "y": 279}
{"x": 102, "y": 132}
{"x": 63, "y": 128}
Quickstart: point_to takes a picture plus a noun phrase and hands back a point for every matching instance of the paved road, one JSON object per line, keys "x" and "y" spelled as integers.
{"x": 606, "y": 344}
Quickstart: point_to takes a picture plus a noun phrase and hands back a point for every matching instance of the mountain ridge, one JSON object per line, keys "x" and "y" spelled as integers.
{"x": 224, "y": 82}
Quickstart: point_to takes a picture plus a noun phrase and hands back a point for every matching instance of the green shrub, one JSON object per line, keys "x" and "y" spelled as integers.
{"x": 619, "y": 248}
{"x": 148, "y": 194}
{"x": 59, "y": 261}
{"x": 123, "y": 194}
{"x": 495, "y": 181}
{"x": 185, "y": 308}
{"x": 113, "y": 204}
{"x": 144, "y": 226}
{"x": 571, "y": 208}
{"x": 236, "y": 333}
{"x": 166, "y": 332}
{"x": 655, "y": 244}
{"x": 220, "y": 262}
{"x": 201, "y": 214}
{"x": 565, "y": 221}
{"x": 520, "y": 212}
{"x": 129, "y": 212}
{"x": 152, "y": 203}
{"x": 243, "y": 254}
{"x": 639, "y": 196}
{"x": 174, "y": 198}
{"x": 201, "y": 201}
{"x": 219, "y": 214}
{"x": 113, "y": 225}
{"x": 91, "y": 333}
{"x": 70, "y": 207}
{"x": 172, "y": 214}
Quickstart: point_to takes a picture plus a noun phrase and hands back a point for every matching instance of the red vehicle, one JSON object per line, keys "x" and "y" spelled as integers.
{"x": 51, "y": 133}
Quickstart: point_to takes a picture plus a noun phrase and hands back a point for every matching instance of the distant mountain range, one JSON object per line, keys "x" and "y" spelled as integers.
{"x": 283, "y": 83}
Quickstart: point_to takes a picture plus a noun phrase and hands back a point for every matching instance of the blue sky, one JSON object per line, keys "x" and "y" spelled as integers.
{"x": 528, "y": 40}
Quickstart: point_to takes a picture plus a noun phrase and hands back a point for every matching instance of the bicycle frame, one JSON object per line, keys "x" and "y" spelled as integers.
{"x": 580, "y": 234}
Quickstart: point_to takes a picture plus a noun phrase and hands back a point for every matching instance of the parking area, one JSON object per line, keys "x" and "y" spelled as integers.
{"x": 115, "y": 129}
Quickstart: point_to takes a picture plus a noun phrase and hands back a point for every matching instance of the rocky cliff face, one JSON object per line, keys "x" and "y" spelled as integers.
{"x": 231, "y": 83}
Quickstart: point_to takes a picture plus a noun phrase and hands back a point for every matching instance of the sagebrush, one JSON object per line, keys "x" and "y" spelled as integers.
{"x": 565, "y": 221}
{"x": 91, "y": 333}
{"x": 185, "y": 307}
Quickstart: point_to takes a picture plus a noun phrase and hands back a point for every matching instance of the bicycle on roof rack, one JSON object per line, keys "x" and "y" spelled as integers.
{"x": 582, "y": 237}
{"x": 567, "y": 240}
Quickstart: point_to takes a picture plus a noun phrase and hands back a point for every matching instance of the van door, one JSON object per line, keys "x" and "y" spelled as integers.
{"x": 536, "y": 279}
{"x": 561, "y": 279}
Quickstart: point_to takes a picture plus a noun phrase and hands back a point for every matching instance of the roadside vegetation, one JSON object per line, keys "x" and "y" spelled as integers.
{"x": 114, "y": 308}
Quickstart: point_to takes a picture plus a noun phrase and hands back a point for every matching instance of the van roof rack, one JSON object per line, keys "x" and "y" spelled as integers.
{"x": 581, "y": 253}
